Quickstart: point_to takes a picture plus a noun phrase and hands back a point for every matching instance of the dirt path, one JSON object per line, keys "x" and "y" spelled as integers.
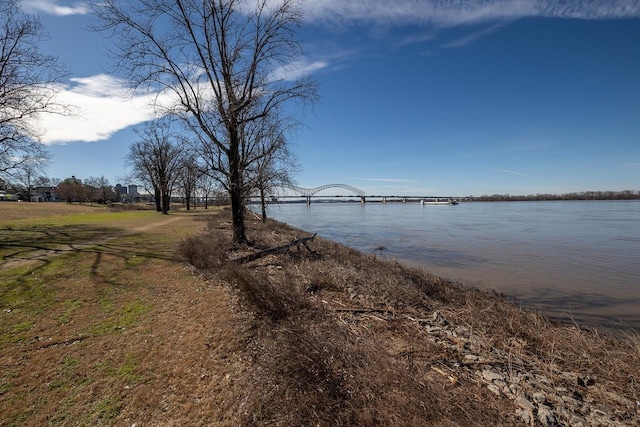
{"x": 26, "y": 258}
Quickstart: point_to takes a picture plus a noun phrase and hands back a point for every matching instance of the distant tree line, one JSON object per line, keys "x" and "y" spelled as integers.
{"x": 584, "y": 195}
{"x": 70, "y": 190}
{"x": 93, "y": 190}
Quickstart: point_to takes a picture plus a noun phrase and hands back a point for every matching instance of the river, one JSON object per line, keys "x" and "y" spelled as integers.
{"x": 574, "y": 260}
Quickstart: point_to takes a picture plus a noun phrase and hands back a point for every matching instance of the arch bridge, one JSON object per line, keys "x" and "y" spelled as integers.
{"x": 309, "y": 192}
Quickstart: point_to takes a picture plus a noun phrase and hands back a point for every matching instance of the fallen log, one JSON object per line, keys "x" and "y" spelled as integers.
{"x": 278, "y": 249}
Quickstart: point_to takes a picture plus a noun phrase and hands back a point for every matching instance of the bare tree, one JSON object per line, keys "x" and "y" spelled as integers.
{"x": 189, "y": 173}
{"x": 271, "y": 163}
{"x": 27, "y": 172}
{"x": 28, "y": 79}
{"x": 207, "y": 188}
{"x": 99, "y": 189}
{"x": 71, "y": 190}
{"x": 221, "y": 62}
{"x": 155, "y": 159}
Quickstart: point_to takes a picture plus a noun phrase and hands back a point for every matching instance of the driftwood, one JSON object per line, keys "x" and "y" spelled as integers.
{"x": 278, "y": 249}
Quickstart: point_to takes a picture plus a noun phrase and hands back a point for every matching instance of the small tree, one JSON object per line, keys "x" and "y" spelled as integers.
{"x": 273, "y": 164}
{"x": 207, "y": 188}
{"x": 28, "y": 80}
{"x": 27, "y": 172}
{"x": 155, "y": 160}
{"x": 189, "y": 173}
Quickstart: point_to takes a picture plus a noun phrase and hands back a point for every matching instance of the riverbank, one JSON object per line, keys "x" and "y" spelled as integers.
{"x": 568, "y": 259}
{"x": 345, "y": 338}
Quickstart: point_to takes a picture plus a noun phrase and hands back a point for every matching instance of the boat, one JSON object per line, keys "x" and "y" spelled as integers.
{"x": 438, "y": 201}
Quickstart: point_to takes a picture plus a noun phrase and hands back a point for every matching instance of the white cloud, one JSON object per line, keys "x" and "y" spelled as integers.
{"x": 446, "y": 13}
{"x": 103, "y": 105}
{"x": 53, "y": 8}
{"x": 297, "y": 69}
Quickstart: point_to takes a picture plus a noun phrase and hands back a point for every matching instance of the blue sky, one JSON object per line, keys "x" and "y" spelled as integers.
{"x": 419, "y": 97}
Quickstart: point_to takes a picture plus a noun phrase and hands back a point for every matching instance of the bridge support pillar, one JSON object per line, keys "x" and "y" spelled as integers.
{"x": 308, "y": 200}
{"x": 404, "y": 200}
{"x": 363, "y": 200}
{"x": 384, "y": 200}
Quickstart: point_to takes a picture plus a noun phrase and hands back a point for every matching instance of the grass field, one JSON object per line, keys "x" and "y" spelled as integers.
{"x": 96, "y": 316}
{"x": 135, "y": 318}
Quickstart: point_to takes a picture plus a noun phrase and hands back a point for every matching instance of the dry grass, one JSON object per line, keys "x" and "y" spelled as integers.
{"x": 11, "y": 211}
{"x": 121, "y": 333}
{"x": 117, "y": 332}
{"x": 315, "y": 362}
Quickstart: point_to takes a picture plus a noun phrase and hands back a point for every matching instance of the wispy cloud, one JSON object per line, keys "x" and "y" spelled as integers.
{"x": 468, "y": 39}
{"x": 447, "y": 13}
{"x": 383, "y": 179}
{"x": 53, "y": 7}
{"x": 103, "y": 105}
{"x": 510, "y": 172}
{"x": 297, "y": 69}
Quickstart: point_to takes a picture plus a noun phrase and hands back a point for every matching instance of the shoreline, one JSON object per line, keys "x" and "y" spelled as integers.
{"x": 585, "y": 320}
{"x": 542, "y": 258}
{"x": 337, "y": 303}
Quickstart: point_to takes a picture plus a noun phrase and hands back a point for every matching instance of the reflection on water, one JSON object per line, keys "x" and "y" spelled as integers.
{"x": 569, "y": 259}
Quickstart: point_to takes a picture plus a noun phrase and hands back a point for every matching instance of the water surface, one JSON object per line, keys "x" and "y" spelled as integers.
{"x": 571, "y": 259}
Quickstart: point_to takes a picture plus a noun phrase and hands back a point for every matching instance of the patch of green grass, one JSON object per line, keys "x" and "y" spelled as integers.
{"x": 64, "y": 412}
{"x": 28, "y": 292}
{"x": 5, "y": 387}
{"x": 25, "y": 235}
{"x": 97, "y": 216}
{"x": 135, "y": 261}
{"x": 119, "y": 317}
{"x": 21, "y": 327}
{"x": 59, "y": 384}
{"x": 133, "y": 311}
{"x": 108, "y": 408}
{"x": 126, "y": 371}
{"x": 65, "y": 372}
{"x": 69, "y": 364}
{"x": 71, "y": 307}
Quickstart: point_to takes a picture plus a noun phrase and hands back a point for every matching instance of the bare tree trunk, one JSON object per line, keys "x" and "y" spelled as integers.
{"x": 158, "y": 197}
{"x": 236, "y": 193}
{"x": 166, "y": 199}
{"x": 263, "y": 204}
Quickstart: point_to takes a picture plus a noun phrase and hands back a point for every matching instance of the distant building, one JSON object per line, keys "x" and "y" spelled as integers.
{"x": 127, "y": 193}
{"x": 43, "y": 193}
{"x": 120, "y": 189}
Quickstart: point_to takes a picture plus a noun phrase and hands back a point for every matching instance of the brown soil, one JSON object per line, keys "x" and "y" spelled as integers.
{"x": 125, "y": 333}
